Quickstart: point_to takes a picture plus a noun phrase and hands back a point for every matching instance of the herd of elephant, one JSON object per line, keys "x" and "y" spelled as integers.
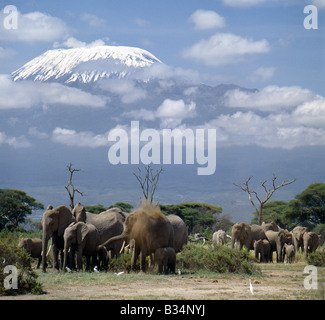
{"x": 148, "y": 232}
{"x": 269, "y": 238}
{"x": 78, "y": 233}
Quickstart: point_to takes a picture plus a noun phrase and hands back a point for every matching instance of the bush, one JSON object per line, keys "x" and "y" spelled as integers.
{"x": 317, "y": 258}
{"x": 27, "y": 279}
{"x": 216, "y": 258}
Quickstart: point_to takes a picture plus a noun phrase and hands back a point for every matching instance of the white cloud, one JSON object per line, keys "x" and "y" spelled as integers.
{"x": 225, "y": 48}
{"x": 14, "y": 142}
{"x": 72, "y": 42}
{"x": 79, "y": 139}
{"x": 171, "y": 113}
{"x": 311, "y": 113}
{"x": 207, "y": 19}
{"x": 242, "y": 3}
{"x": 126, "y": 89}
{"x": 34, "y": 27}
{"x": 175, "y": 109}
{"x": 270, "y": 98}
{"x": 301, "y": 125}
{"x": 27, "y": 94}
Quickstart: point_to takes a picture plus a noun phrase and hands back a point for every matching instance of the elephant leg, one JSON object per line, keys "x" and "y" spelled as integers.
{"x": 39, "y": 262}
{"x": 61, "y": 259}
{"x": 143, "y": 255}
{"x": 143, "y": 260}
{"x": 55, "y": 254}
{"x": 94, "y": 261}
{"x": 134, "y": 259}
{"x": 79, "y": 258}
{"x": 72, "y": 263}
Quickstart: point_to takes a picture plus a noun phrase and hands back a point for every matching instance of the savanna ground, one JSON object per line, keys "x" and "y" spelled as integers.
{"x": 275, "y": 282}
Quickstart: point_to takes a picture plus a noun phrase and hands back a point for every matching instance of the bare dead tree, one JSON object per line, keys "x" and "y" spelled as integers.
{"x": 70, "y": 186}
{"x": 149, "y": 181}
{"x": 269, "y": 192}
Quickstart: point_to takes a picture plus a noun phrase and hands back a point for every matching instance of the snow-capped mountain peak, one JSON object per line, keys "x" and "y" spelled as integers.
{"x": 87, "y": 64}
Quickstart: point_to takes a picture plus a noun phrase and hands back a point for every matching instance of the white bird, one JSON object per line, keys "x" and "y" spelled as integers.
{"x": 118, "y": 274}
{"x": 251, "y": 288}
{"x": 179, "y": 271}
{"x": 68, "y": 269}
{"x": 95, "y": 269}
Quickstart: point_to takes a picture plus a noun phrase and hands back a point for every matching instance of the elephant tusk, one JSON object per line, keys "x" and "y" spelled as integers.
{"x": 122, "y": 249}
{"x": 48, "y": 251}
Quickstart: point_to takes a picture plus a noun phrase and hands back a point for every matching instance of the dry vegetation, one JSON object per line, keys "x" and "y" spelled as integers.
{"x": 276, "y": 281}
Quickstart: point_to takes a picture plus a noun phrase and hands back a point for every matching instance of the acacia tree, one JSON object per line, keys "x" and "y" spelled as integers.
{"x": 15, "y": 205}
{"x": 70, "y": 186}
{"x": 256, "y": 200}
{"x": 148, "y": 181}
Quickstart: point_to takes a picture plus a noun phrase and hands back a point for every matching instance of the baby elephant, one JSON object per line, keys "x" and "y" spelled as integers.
{"x": 82, "y": 238}
{"x": 33, "y": 247}
{"x": 165, "y": 258}
{"x": 290, "y": 252}
{"x": 263, "y": 248}
{"x": 219, "y": 237}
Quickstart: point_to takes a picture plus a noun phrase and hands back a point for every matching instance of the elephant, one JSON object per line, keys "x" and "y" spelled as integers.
{"x": 33, "y": 247}
{"x": 270, "y": 226}
{"x": 108, "y": 224}
{"x": 262, "y": 249}
{"x": 246, "y": 235}
{"x": 298, "y": 233}
{"x": 150, "y": 230}
{"x": 180, "y": 231}
{"x": 83, "y": 238}
{"x": 54, "y": 222}
{"x": 102, "y": 256}
{"x": 219, "y": 237}
{"x": 277, "y": 240}
{"x": 290, "y": 251}
{"x": 311, "y": 242}
{"x": 165, "y": 258}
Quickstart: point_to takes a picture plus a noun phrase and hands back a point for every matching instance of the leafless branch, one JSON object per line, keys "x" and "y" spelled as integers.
{"x": 149, "y": 181}
{"x": 70, "y": 186}
{"x": 269, "y": 193}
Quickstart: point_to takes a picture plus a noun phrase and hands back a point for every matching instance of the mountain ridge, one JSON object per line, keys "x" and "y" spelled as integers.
{"x": 85, "y": 65}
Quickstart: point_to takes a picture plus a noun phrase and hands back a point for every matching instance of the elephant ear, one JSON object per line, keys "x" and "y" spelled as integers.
{"x": 65, "y": 218}
{"x": 79, "y": 212}
{"x": 82, "y": 231}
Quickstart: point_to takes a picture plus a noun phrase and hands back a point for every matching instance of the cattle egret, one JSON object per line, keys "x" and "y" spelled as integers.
{"x": 251, "y": 288}
{"x": 95, "y": 269}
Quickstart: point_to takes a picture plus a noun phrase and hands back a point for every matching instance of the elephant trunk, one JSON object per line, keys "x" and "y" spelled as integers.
{"x": 122, "y": 237}
{"x": 45, "y": 239}
{"x": 66, "y": 253}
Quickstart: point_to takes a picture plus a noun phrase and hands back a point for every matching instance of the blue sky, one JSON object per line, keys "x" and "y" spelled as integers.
{"x": 251, "y": 43}
{"x": 294, "y": 56}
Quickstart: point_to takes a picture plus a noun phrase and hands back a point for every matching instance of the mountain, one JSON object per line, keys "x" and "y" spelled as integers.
{"x": 85, "y": 65}
{"x": 77, "y": 132}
